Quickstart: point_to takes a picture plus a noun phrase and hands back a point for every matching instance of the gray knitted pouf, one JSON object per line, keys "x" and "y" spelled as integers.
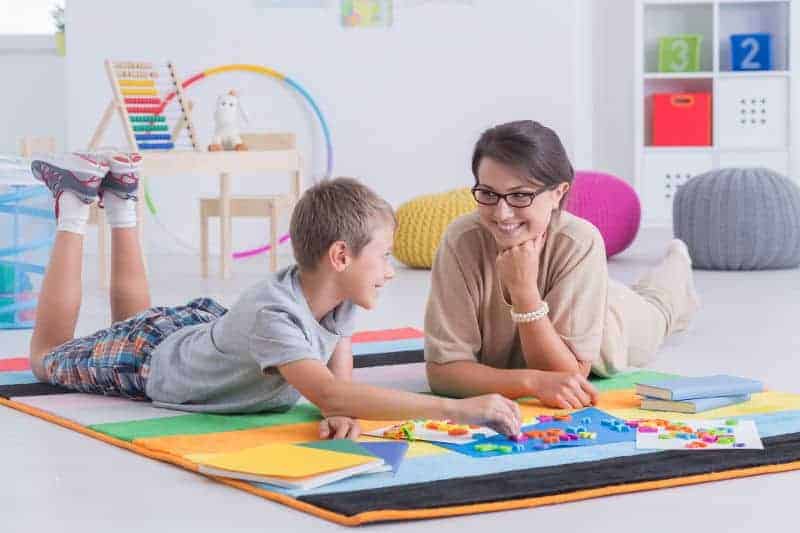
{"x": 739, "y": 219}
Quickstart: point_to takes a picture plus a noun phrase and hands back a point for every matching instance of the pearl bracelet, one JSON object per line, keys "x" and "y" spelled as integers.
{"x": 531, "y": 316}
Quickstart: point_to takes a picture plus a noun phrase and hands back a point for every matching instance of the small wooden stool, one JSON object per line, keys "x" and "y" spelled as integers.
{"x": 244, "y": 207}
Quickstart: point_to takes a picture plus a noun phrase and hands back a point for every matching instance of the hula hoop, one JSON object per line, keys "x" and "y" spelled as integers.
{"x": 272, "y": 73}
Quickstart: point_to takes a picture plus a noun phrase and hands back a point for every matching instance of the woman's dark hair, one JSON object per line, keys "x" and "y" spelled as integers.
{"x": 529, "y": 147}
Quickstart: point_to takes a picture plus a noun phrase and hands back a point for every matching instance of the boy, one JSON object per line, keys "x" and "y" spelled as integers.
{"x": 285, "y": 337}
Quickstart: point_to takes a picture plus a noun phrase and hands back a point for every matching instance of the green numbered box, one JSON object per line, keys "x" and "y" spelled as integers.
{"x": 679, "y": 53}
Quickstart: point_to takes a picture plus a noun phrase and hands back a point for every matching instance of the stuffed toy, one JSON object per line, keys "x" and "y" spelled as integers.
{"x": 226, "y": 123}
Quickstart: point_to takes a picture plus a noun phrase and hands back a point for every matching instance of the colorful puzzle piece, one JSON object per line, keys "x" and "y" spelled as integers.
{"x": 697, "y": 435}
{"x": 437, "y": 431}
{"x": 552, "y": 431}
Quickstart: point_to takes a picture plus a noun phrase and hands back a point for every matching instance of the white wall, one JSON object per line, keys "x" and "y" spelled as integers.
{"x": 611, "y": 57}
{"x": 32, "y": 99}
{"x": 404, "y": 104}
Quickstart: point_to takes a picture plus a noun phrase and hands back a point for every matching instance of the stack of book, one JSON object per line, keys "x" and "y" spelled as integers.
{"x": 695, "y": 395}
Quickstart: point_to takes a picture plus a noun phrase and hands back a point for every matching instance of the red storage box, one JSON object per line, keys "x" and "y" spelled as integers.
{"x": 682, "y": 119}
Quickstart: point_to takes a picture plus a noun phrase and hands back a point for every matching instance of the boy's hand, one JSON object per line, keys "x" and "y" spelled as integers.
{"x": 339, "y": 427}
{"x": 564, "y": 390}
{"x": 493, "y": 410}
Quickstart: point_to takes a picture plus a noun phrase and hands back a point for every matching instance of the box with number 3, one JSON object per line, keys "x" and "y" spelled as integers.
{"x": 679, "y": 53}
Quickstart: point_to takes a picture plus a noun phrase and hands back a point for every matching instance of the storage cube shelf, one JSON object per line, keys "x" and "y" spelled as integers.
{"x": 750, "y": 87}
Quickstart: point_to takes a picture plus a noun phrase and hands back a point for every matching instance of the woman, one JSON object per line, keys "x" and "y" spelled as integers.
{"x": 521, "y": 302}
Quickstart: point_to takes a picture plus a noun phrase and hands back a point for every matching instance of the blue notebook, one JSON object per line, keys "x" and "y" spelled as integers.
{"x": 697, "y": 405}
{"x": 700, "y": 387}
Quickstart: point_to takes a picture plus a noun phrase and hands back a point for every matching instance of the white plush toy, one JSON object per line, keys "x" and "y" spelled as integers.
{"x": 226, "y": 123}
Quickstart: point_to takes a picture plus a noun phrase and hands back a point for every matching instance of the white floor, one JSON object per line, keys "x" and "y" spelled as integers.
{"x": 52, "y": 479}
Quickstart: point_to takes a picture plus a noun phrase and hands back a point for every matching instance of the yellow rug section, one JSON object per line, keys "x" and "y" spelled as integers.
{"x": 625, "y": 404}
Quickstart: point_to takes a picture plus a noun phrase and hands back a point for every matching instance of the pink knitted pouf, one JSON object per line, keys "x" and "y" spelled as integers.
{"x": 610, "y": 204}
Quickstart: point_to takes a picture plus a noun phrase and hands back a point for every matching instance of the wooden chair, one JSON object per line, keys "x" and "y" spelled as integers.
{"x": 267, "y": 206}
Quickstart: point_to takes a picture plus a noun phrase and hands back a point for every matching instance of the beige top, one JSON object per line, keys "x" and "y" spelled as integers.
{"x": 467, "y": 317}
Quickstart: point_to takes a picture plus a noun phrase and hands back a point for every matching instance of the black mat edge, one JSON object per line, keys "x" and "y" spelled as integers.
{"x": 9, "y": 392}
{"x": 560, "y": 479}
{"x": 388, "y": 358}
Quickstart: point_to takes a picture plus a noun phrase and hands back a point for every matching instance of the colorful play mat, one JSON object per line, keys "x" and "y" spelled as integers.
{"x": 433, "y": 480}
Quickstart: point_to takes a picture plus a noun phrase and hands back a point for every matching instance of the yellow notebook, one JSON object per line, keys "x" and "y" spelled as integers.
{"x": 287, "y": 465}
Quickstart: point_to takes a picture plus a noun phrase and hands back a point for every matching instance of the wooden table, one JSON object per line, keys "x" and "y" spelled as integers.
{"x": 156, "y": 165}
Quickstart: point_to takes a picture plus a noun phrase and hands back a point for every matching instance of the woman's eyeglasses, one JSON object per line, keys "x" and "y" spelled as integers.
{"x": 513, "y": 199}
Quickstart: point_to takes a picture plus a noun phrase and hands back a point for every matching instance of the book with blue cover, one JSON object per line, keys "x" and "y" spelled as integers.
{"x": 699, "y": 387}
{"x": 697, "y": 405}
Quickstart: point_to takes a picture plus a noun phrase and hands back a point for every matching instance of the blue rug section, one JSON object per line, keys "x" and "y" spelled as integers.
{"x": 403, "y": 345}
{"x": 17, "y": 378}
{"x": 588, "y": 419}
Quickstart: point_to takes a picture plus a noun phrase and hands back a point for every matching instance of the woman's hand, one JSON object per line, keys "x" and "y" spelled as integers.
{"x": 518, "y": 268}
{"x": 564, "y": 390}
{"x": 339, "y": 427}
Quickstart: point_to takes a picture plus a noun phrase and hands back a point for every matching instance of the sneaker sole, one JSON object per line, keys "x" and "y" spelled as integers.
{"x": 59, "y": 179}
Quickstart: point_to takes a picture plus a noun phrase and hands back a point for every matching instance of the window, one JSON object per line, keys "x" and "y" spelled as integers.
{"x": 27, "y": 16}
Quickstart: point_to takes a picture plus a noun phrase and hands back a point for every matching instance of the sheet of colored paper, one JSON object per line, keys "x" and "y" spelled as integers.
{"x": 437, "y": 431}
{"x": 598, "y": 426}
{"x": 282, "y": 460}
{"x": 700, "y": 435}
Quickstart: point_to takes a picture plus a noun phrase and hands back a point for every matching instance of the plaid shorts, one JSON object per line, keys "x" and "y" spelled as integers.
{"x": 116, "y": 360}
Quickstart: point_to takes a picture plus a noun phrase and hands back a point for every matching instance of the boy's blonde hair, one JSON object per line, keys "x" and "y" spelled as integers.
{"x": 339, "y": 209}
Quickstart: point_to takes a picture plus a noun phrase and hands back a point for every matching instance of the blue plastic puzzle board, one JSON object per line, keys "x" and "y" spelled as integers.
{"x": 605, "y": 435}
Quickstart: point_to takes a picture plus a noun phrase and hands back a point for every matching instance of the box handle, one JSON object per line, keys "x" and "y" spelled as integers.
{"x": 682, "y": 100}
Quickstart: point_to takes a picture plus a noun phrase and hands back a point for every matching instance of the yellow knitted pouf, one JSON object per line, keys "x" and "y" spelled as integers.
{"x": 421, "y": 223}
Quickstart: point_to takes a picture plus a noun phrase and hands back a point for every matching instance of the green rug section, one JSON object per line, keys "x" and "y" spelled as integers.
{"x": 200, "y": 424}
{"x": 628, "y": 380}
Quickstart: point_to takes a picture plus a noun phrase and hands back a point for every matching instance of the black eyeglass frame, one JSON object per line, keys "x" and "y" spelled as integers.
{"x": 531, "y": 196}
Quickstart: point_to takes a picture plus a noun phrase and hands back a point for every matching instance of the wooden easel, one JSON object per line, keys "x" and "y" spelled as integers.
{"x": 134, "y": 93}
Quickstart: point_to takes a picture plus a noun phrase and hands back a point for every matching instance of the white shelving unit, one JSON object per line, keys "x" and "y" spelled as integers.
{"x": 754, "y": 115}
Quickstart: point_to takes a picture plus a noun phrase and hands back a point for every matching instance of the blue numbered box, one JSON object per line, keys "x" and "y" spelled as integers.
{"x": 751, "y": 51}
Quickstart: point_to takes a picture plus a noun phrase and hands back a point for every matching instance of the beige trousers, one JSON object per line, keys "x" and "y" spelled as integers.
{"x": 640, "y": 317}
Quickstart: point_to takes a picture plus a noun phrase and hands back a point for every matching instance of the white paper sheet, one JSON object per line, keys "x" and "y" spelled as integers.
{"x": 432, "y": 435}
{"x": 745, "y": 432}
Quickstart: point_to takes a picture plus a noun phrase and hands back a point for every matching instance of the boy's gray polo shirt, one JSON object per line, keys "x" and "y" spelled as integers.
{"x": 230, "y": 365}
